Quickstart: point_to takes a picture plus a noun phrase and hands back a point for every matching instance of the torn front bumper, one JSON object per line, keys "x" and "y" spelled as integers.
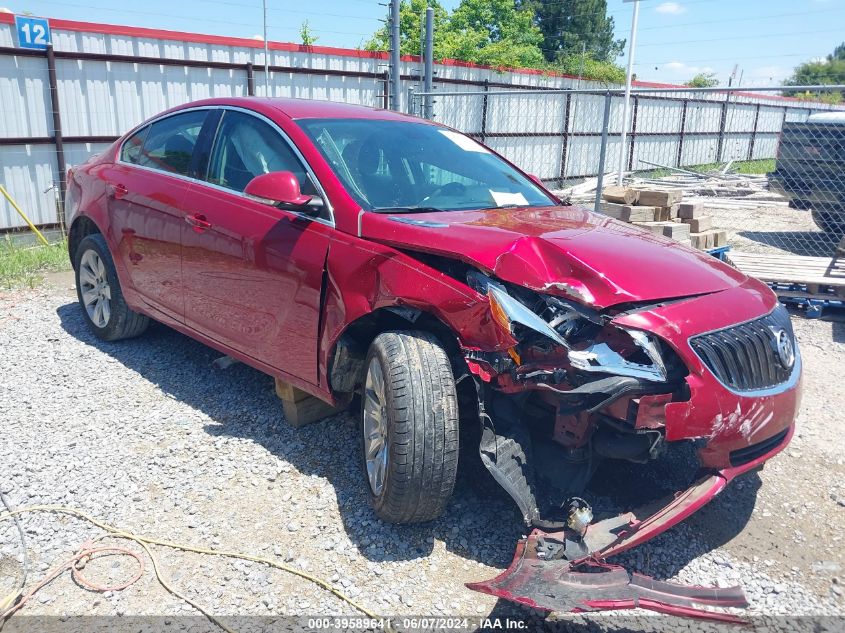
{"x": 559, "y": 572}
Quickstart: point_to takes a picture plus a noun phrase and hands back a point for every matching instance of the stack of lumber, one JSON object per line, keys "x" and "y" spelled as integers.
{"x": 662, "y": 212}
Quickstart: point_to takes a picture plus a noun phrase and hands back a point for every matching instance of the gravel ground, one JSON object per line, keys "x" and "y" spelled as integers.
{"x": 148, "y": 435}
{"x": 766, "y": 227}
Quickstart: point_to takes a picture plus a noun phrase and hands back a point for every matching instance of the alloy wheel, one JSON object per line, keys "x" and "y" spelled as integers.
{"x": 375, "y": 427}
{"x": 95, "y": 289}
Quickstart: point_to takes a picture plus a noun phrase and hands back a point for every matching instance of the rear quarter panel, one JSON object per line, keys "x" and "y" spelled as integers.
{"x": 88, "y": 196}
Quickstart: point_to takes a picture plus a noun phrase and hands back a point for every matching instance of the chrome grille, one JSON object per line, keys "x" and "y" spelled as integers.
{"x": 744, "y": 357}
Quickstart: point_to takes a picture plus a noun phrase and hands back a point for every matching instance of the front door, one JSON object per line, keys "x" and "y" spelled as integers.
{"x": 146, "y": 190}
{"x": 253, "y": 272}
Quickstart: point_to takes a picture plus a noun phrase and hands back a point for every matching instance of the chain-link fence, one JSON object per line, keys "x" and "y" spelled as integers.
{"x": 746, "y": 169}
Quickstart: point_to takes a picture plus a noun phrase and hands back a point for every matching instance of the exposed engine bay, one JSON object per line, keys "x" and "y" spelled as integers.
{"x": 576, "y": 389}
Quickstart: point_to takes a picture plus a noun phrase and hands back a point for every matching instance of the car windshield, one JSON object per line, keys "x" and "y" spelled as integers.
{"x": 403, "y": 166}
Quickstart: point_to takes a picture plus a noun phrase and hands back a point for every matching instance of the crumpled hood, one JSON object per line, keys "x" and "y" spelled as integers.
{"x": 566, "y": 251}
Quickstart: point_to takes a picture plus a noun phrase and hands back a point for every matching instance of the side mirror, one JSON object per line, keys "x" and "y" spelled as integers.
{"x": 278, "y": 187}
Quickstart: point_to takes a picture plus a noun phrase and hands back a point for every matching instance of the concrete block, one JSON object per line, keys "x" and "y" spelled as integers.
{"x": 701, "y": 240}
{"x": 701, "y": 224}
{"x": 720, "y": 238}
{"x": 655, "y": 227}
{"x": 658, "y": 198}
{"x": 676, "y": 231}
{"x": 301, "y": 408}
{"x": 688, "y": 210}
{"x": 628, "y": 213}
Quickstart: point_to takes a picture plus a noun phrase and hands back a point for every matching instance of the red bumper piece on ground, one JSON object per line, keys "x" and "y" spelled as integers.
{"x": 559, "y": 586}
{"x": 541, "y": 577}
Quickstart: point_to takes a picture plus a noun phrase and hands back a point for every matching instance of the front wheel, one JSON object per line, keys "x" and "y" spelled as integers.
{"x": 409, "y": 414}
{"x": 100, "y": 297}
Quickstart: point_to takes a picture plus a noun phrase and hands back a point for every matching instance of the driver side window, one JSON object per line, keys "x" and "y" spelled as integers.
{"x": 247, "y": 147}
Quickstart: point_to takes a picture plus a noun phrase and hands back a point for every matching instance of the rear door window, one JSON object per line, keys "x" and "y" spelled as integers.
{"x": 170, "y": 143}
{"x": 131, "y": 151}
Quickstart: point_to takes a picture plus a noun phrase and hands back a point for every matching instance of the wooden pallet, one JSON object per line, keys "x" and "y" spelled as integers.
{"x": 821, "y": 278}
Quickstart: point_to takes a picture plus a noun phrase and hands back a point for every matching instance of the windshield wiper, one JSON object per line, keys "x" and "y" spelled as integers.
{"x": 407, "y": 210}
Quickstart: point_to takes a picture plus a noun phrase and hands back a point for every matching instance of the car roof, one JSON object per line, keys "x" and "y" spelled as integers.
{"x": 306, "y": 108}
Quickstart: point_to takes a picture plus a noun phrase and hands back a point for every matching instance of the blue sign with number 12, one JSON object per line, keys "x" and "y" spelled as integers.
{"x": 32, "y": 32}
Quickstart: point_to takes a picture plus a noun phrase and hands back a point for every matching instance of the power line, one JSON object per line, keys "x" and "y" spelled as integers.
{"x": 746, "y": 37}
{"x": 276, "y": 27}
{"x": 286, "y": 10}
{"x": 754, "y": 18}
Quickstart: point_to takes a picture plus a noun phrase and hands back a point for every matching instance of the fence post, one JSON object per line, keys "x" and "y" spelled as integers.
{"x": 683, "y": 131}
{"x": 411, "y": 106}
{"x": 633, "y": 134}
{"x": 428, "y": 66}
{"x": 250, "y": 80}
{"x": 564, "y": 150}
{"x": 58, "y": 139}
{"x": 484, "y": 110}
{"x": 385, "y": 97}
{"x": 722, "y": 121}
{"x": 754, "y": 133}
{"x": 395, "y": 57}
{"x": 603, "y": 152}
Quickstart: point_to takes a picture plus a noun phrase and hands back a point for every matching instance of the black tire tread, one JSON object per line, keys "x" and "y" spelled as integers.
{"x": 124, "y": 322}
{"x": 423, "y": 426}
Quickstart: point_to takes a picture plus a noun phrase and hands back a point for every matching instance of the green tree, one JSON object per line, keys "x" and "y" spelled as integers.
{"x": 833, "y": 98}
{"x": 571, "y": 27}
{"x": 499, "y": 33}
{"x": 411, "y": 16}
{"x": 306, "y": 35}
{"x": 493, "y": 32}
{"x": 589, "y": 68}
{"x": 703, "y": 80}
{"x": 831, "y": 70}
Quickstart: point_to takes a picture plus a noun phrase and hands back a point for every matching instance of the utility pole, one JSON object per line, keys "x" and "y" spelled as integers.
{"x": 626, "y": 105}
{"x": 395, "y": 71}
{"x": 266, "y": 55}
{"x": 428, "y": 72}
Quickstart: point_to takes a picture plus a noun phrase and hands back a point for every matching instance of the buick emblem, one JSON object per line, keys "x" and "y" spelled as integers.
{"x": 784, "y": 348}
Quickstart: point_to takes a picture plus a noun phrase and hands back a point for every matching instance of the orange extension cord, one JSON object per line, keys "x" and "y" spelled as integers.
{"x": 87, "y": 552}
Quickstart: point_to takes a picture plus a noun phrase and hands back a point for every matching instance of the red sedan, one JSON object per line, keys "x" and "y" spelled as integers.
{"x": 364, "y": 255}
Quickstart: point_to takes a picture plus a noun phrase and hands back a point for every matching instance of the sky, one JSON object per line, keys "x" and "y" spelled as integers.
{"x": 675, "y": 41}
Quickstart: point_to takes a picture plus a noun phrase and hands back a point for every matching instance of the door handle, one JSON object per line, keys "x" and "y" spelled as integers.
{"x": 118, "y": 191}
{"x": 198, "y": 222}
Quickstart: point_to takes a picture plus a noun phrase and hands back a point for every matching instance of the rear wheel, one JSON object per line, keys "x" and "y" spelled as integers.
{"x": 830, "y": 220}
{"x": 99, "y": 294}
{"x": 409, "y": 415}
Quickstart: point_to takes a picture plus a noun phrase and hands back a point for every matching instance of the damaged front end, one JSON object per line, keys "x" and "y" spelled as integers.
{"x": 575, "y": 389}
{"x": 580, "y": 386}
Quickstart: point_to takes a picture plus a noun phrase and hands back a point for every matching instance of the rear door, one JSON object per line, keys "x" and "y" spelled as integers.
{"x": 147, "y": 188}
{"x": 253, "y": 272}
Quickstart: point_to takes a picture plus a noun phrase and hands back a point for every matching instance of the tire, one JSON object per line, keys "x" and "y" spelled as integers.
{"x": 832, "y": 222}
{"x": 96, "y": 278}
{"x": 419, "y": 430}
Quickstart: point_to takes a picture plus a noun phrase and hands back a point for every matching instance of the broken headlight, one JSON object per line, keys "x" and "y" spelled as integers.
{"x": 592, "y": 343}
{"x": 601, "y": 357}
{"x": 511, "y": 314}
